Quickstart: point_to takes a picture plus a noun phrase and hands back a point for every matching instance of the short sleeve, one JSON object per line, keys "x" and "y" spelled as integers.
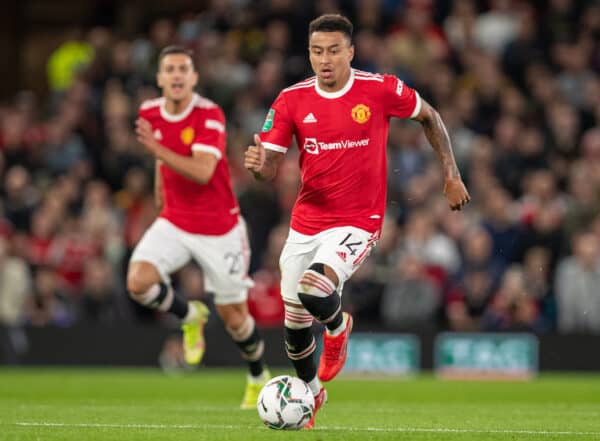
{"x": 210, "y": 136}
{"x": 399, "y": 99}
{"x": 278, "y": 129}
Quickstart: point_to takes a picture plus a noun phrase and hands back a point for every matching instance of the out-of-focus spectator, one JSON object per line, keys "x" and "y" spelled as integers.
{"x": 100, "y": 295}
{"x": 542, "y": 214}
{"x": 145, "y": 51}
{"x": 477, "y": 254}
{"x": 68, "y": 61}
{"x": 499, "y": 220}
{"x": 264, "y": 299}
{"x": 410, "y": 298}
{"x": 363, "y": 293}
{"x": 229, "y": 72}
{"x": 495, "y": 28}
{"x": 21, "y": 196}
{"x": 44, "y": 225}
{"x": 575, "y": 72}
{"x": 559, "y": 22}
{"x": 467, "y": 302}
{"x": 416, "y": 41}
{"x": 434, "y": 248}
{"x": 368, "y": 44}
{"x": 583, "y": 203}
{"x": 63, "y": 149}
{"x": 73, "y": 245}
{"x": 102, "y": 222}
{"x": 136, "y": 202}
{"x": 524, "y": 48}
{"x": 15, "y": 286}
{"x": 262, "y": 212}
{"x": 460, "y": 24}
{"x": 513, "y": 307}
{"x": 564, "y": 128}
{"x": 576, "y": 286}
{"x": 536, "y": 265}
{"x": 48, "y": 305}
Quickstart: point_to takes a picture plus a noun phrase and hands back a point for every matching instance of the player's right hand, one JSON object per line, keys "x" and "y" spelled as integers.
{"x": 456, "y": 193}
{"x": 255, "y": 156}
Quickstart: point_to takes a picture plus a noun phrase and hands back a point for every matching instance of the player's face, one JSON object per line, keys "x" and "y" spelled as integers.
{"x": 330, "y": 57}
{"x": 176, "y": 76}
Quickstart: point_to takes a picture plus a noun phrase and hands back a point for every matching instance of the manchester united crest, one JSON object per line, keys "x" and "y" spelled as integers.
{"x": 361, "y": 113}
{"x": 187, "y": 135}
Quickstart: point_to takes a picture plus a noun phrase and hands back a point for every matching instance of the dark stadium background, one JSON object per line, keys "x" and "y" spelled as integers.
{"x": 515, "y": 81}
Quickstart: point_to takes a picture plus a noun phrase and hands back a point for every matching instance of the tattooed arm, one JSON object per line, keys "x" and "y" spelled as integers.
{"x": 437, "y": 135}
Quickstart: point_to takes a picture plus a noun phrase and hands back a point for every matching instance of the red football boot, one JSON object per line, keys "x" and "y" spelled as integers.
{"x": 319, "y": 400}
{"x": 335, "y": 350}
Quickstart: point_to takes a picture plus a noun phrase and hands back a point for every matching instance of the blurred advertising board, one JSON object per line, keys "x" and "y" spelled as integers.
{"x": 478, "y": 356}
{"x": 396, "y": 354}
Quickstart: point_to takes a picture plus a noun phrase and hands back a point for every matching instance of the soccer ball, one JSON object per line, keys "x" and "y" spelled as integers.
{"x": 285, "y": 402}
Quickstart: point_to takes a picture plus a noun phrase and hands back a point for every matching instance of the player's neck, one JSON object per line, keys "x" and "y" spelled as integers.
{"x": 175, "y": 107}
{"x": 338, "y": 85}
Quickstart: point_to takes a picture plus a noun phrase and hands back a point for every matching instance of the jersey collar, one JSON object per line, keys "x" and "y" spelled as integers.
{"x": 340, "y": 92}
{"x": 179, "y": 116}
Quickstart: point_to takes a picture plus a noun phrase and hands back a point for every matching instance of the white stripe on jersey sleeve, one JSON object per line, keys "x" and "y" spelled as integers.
{"x": 418, "y": 105}
{"x": 274, "y": 147}
{"x": 208, "y": 149}
{"x": 214, "y": 124}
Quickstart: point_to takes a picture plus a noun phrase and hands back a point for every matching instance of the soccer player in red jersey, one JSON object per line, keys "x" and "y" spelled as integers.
{"x": 340, "y": 118}
{"x": 199, "y": 217}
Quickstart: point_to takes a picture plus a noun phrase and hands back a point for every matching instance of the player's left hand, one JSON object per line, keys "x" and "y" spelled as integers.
{"x": 456, "y": 192}
{"x": 143, "y": 131}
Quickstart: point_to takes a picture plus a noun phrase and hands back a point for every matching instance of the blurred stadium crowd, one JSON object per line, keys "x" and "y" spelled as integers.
{"x": 516, "y": 82}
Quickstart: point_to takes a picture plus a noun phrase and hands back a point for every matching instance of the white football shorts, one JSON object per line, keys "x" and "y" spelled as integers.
{"x": 224, "y": 259}
{"x": 341, "y": 248}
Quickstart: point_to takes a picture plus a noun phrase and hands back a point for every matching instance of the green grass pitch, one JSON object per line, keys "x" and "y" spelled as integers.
{"x": 145, "y": 404}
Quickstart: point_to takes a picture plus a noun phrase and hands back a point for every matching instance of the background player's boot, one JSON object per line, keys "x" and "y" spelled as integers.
{"x": 193, "y": 334}
{"x": 319, "y": 400}
{"x": 253, "y": 388}
{"x": 335, "y": 350}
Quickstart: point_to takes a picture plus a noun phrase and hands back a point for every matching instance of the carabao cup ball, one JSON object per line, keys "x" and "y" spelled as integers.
{"x": 285, "y": 402}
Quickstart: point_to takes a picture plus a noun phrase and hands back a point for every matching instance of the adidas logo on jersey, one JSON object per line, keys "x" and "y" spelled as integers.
{"x": 157, "y": 134}
{"x": 310, "y": 118}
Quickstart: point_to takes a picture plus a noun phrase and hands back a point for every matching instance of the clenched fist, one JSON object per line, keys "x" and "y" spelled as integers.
{"x": 456, "y": 193}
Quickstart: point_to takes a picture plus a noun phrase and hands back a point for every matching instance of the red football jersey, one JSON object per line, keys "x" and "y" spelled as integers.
{"x": 210, "y": 208}
{"x": 342, "y": 138}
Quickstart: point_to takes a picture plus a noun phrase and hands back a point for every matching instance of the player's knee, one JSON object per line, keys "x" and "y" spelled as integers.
{"x": 234, "y": 316}
{"x": 325, "y": 270}
{"x": 315, "y": 282}
{"x": 237, "y": 322}
{"x": 135, "y": 285}
{"x": 299, "y": 343}
{"x": 317, "y": 292}
{"x": 140, "y": 278}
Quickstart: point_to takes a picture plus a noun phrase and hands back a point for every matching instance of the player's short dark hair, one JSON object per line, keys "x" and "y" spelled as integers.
{"x": 331, "y": 23}
{"x": 175, "y": 49}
